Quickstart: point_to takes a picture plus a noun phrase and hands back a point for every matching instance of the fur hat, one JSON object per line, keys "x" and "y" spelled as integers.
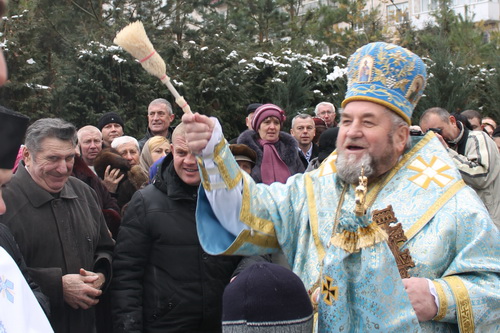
{"x": 135, "y": 178}
{"x": 242, "y": 152}
{"x": 265, "y": 111}
{"x": 110, "y": 156}
{"x": 388, "y": 75}
{"x": 266, "y": 297}
{"x": 108, "y": 118}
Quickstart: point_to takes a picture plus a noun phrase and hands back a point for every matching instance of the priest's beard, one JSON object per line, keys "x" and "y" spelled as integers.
{"x": 349, "y": 169}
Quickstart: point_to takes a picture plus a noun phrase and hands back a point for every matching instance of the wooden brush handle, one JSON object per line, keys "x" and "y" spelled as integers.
{"x": 178, "y": 98}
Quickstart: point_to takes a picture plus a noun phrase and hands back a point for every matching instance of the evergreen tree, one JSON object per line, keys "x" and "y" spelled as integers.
{"x": 450, "y": 84}
{"x": 346, "y": 26}
{"x": 62, "y": 62}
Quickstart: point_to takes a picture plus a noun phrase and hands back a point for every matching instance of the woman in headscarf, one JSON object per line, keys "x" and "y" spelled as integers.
{"x": 154, "y": 149}
{"x": 277, "y": 152}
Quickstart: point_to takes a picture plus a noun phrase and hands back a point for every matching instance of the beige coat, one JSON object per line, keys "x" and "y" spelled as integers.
{"x": 480, "y": 168}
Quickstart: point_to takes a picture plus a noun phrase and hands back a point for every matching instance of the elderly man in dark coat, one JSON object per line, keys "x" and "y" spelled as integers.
{"x": 59, "y": 227}
{"x": 29, "y": 314}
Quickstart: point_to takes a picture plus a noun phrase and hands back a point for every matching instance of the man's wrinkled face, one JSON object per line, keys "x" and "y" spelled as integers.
{"x": 90, "y": 145}
{"x": 248, "y": 120}
{"x": 449, "y": 130}
{"x": 245, "y": 166}
{"x": 185, "y": 162}
{"x": 130, "y": 152}
{"x": 367, "y": 138}
{"x": 326, "y": 113}
{"x": 159, "y": 118}
{"x": 111, "y": 131}
{"x": 51, "y": 167}
{"x": 303, "y": 130}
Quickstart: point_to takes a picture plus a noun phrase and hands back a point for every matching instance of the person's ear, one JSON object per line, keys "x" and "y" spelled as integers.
{"x": 27, "y": 156}
{"x": 401, "y": 137}
{"x": 453, "y": 120}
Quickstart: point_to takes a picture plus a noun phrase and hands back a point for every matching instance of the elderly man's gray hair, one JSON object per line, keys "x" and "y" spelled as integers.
{"x": 162, "y": 101}
{"x": 323, "y": 103}
{"x": 117, "y": 142}
{"x": 49, "y": 128}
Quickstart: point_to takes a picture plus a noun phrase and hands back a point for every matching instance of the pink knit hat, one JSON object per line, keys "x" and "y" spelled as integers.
{"x": 265, "y": 111}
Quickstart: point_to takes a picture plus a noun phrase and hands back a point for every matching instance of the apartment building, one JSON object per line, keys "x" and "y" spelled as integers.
{"x": 419, "y": 12}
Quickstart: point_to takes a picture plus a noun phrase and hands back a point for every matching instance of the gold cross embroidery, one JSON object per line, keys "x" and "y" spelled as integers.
{"x": 428, "y": 172}
{"x": 331, "y": 292}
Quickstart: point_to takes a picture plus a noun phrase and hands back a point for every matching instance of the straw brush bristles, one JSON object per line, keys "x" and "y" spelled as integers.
{"x": 134, "y": 40}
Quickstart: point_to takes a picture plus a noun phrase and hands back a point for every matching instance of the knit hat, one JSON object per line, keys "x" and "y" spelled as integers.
{"x": 252, "y": 107}
{"x": 242, "y": 152}
{"x": 388, "y": 75}
{"x": 108, "y": 118}
{"x": 267, "y": 110}
{"x": 12, "y": 129}
{"x": 266, "y": 297}
{"x": 319, "y": 122}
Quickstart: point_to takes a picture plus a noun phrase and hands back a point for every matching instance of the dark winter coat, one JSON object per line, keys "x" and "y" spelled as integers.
{"x": 9, "y": 244}
{"x": 314, "y": 154}
{"x": 286, "y": 146}
{"x": 149, "y": 135}
{"x": 109, "y": 205}
{"x": 58, "y": 235}
{"x": 163, "y": 279}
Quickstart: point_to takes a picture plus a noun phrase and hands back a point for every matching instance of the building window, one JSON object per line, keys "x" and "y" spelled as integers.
{"x": 359, "y": 25}
{"x": 429, "y": 5}
{"x": 397, "y": 13}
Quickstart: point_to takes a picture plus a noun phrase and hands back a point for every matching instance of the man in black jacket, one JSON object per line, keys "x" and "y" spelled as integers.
{"x": 163, "y": 280}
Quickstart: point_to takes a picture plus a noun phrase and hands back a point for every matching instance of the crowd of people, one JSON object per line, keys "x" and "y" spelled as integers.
{"x": 179, "y": 231}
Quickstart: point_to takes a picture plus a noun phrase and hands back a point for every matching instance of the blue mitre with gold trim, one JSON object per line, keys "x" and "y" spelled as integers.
{"x": 386, "y": 74}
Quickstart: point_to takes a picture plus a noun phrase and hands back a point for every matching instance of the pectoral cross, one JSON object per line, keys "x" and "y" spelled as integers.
{"x": 384, "y": 218}
{"x": 360, "y": 194}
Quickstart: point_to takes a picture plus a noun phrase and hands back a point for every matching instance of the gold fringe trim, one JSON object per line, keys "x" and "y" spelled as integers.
{"x": 364, "y": 237}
